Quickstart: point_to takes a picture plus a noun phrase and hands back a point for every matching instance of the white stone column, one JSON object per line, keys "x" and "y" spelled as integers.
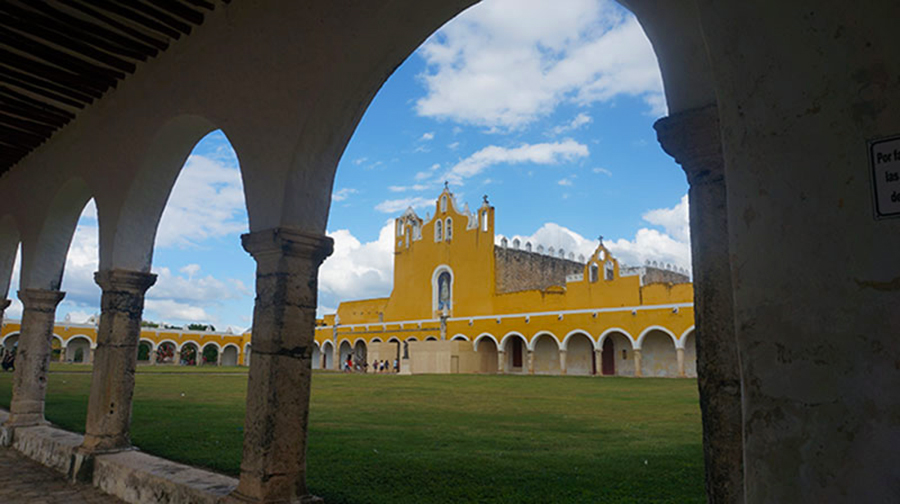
{"x": 562, "y": 362}
{"x": 501, "y": 361}
{"x": 177, "y": 357}
{"x": 637, "y": 363}
{"x": 598, "y": 362}
{"x": 273, "y": 468}
{"x": 530, "y": 362}
{"x": 694, "y": 140}
{"x": 112, "y": 381}
{"x": 33, "y": 356}
{"x": 680, "y": 354}
{"x": 219, "y": 358}
{"x": 154, "y": 355}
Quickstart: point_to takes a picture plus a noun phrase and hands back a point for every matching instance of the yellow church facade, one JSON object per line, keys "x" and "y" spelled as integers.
{"x": 463, "y": 304}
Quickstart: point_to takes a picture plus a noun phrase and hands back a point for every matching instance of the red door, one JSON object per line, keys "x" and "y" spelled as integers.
{"x": 609, "y": 358}
{"x": 517, "y": 352}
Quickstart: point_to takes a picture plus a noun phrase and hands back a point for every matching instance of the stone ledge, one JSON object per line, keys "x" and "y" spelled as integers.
{"x": 141, "y": 478}
{"x": 47, "y": 445}
{"x": 132, "y": 476}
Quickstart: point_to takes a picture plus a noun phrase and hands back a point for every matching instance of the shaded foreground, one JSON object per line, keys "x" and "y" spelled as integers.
{"x": 433, "y": 438}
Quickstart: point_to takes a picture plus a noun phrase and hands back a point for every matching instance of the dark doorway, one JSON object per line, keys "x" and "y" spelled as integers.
{"x": 517, "y": 352}
{"x": 609, "y": 358}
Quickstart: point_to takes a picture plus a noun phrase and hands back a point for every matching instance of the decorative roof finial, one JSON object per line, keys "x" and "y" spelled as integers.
{"x": 446, "y": 185}
{"x": 485, "y": 199}
{"x": 601, "y": 240}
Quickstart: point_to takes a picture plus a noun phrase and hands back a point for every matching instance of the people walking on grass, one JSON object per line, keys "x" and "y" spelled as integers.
{"x": 396, "y": 366}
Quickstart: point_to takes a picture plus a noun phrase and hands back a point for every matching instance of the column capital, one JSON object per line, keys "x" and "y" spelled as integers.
{"x": 283, "y": 241}
{"x": 43, "y": 300}
{"x": 692, "y": 137}
{"x": 118, "y": 280}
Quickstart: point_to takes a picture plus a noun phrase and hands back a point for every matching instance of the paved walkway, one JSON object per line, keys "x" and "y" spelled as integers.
{"x": 24, "y": 481}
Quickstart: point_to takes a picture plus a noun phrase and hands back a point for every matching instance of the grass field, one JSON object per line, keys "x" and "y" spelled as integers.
{"x": 432, "y": 438}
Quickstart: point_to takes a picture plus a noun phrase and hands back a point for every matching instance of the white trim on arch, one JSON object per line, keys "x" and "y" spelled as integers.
{"x": 431, "y": 338}
{"x": 342, "y": 341}
{"x": 435, "y": 295}
{"x": 147, "y": 340}
{"x": 326, "y": 342}
{"x": 505, "y": 338}
{"x": 645, "y": 332}
{"x": 410, "y": 338}
{"x": 61, "y": 340}
{"x": 357, "y": 340}
{"x": 232, "y": 345}
{"x": 565, "y": 342}
{"x": 218, "y": 347}
{"x": 14, "y": 333}
{"x": 611, "y": 330}
{"x": 535, "y": 336}
{"x": 195, "y": 343}
{"x": 485, "y": 335}
{"x": 376, "y": 339}
{"x": 91, "y": 343}
{"x": 85, "y": 336}
{"x": 460, "y": 337}
{"x": 173, "y": 342}
{"x": 394, "y": 339}
{"x": 683, "y": 338}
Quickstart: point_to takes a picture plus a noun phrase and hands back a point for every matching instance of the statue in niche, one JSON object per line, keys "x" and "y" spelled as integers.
{"x": 444, "y": 291}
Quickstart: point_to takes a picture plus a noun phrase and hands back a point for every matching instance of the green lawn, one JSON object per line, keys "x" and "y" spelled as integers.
{"x": 437, "y": 438}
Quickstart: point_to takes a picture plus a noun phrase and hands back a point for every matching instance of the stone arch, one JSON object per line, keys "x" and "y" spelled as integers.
{"x": 10, "y": 341}
{"x": 360, "y": 351}
{"x": 486, "y": 347}
{"x": 328, "y": 351}
{"x": 579, "y": 348}
{"x": 545, "y": 353}
{"x": 515, "y": 348}
{"x": 57, "y": 349}
{"x": 9, "y": 249}
{"x": 658, "y": 353}
{"x": 617, "y": 353}
{"x": 689, "y": 343}
{"x": 431, "y": 338}
{"x": 209, "y": 354}
{"x": 190, "y": 353}
{"x": 640, "y": 341}
{"x": 230, "y": 355}
{"x": 459, "y": 337}
{"x": 481, "y": 337}
{"x": 144, "y": 350}
{"x": 316, "y": 355}
{"x": 166, "y": 352}
{"x": 78, "y": 349}
{"x": 375, "y": 340}
{"x": 248, "y": 349}
{"x": 345, "y": 349}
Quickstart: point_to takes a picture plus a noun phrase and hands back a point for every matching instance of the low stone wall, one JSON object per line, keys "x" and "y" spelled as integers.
{"x": 132, "y": 476}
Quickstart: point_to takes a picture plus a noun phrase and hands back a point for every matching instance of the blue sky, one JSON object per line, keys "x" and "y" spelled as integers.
{"x": 546, "y": 107}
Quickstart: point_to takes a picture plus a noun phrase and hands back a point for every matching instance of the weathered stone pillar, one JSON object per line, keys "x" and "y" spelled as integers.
{"x": 680, "y": 354}
{"x": 89, "y": 355}
{"x": 154, "y": 355}
{"x": 598, "y": 362}
{"x": 273, "y": 468}
{"x": 112, "y": 381}
{"x": 33, "y": 356}
{"x": 637, "y": 363}
{"x": 177, "y": 357}
{"x": 219, "y": 358}
{"x": 562, "y": 362}
{"x": 501, "y": 361}
{"x": 530, "y": 362}
{"x": 693, "y": 139}
{"x": 325, "y": 361}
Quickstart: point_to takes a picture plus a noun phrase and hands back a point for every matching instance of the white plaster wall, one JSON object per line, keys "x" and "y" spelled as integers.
{"x": 508, "y": 346}
{"x": 579, "y": 355}
{"x": 487, "y": 352}
{"x": 316, "y": 358}
{"x": 230, "y": 356}
{"x": 624, "y": 362}
{"x": 546, "y": 355}
{"x": 658, "y": 355}
{"x": 73, "y": 347}
{"x": 690, "y": 356}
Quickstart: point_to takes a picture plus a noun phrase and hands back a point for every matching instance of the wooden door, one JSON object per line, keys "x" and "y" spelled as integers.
{"x": 609, "y": 358}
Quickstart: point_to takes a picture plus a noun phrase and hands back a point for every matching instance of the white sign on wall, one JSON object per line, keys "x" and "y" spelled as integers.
{"x": 884, "y": 157}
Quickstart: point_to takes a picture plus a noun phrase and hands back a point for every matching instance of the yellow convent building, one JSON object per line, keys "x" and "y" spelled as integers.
{"x": 463, "y": 304}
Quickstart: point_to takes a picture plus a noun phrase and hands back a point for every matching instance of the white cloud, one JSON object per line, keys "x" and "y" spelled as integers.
{"x": 427, "y": 136}
{"x": 422, "y": 175}
{"x": 542, "y": 153}
{"x": 671, "y": 246}
{"x": 207, "y": 201}
{"x": 190, "y": 270}
{"x": 358, "y": 270}
{"x": 453, "y": 146}
{"x": 359, "y": 161}
{"x": 603, "y": 171}
{"x": 169, "y": 310}
{"x": 414, "y": 187}
{"x": 343, "y": 194}
{"x": 204, "y": 290}
{"x": 566, "y": 181}
{"x": 399, "y": 205}
{"x": 577, "y": 122}
{"x": 505, "y": 63}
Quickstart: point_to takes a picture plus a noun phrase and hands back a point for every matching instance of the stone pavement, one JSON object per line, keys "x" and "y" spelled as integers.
{"x": 23, "y": 481}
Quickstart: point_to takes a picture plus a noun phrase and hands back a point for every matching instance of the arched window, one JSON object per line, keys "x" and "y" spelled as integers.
{"x": 442, "y": 289}
{"x": 438, "y": 233}
{"x": 443, "y": 203}
{"x": 444, "y": 284}
{"x": 595, "y": 272}
{"x": 484, "y": 221}
{"x": 448, "y": 231}
{"x": 610, "y": 270}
